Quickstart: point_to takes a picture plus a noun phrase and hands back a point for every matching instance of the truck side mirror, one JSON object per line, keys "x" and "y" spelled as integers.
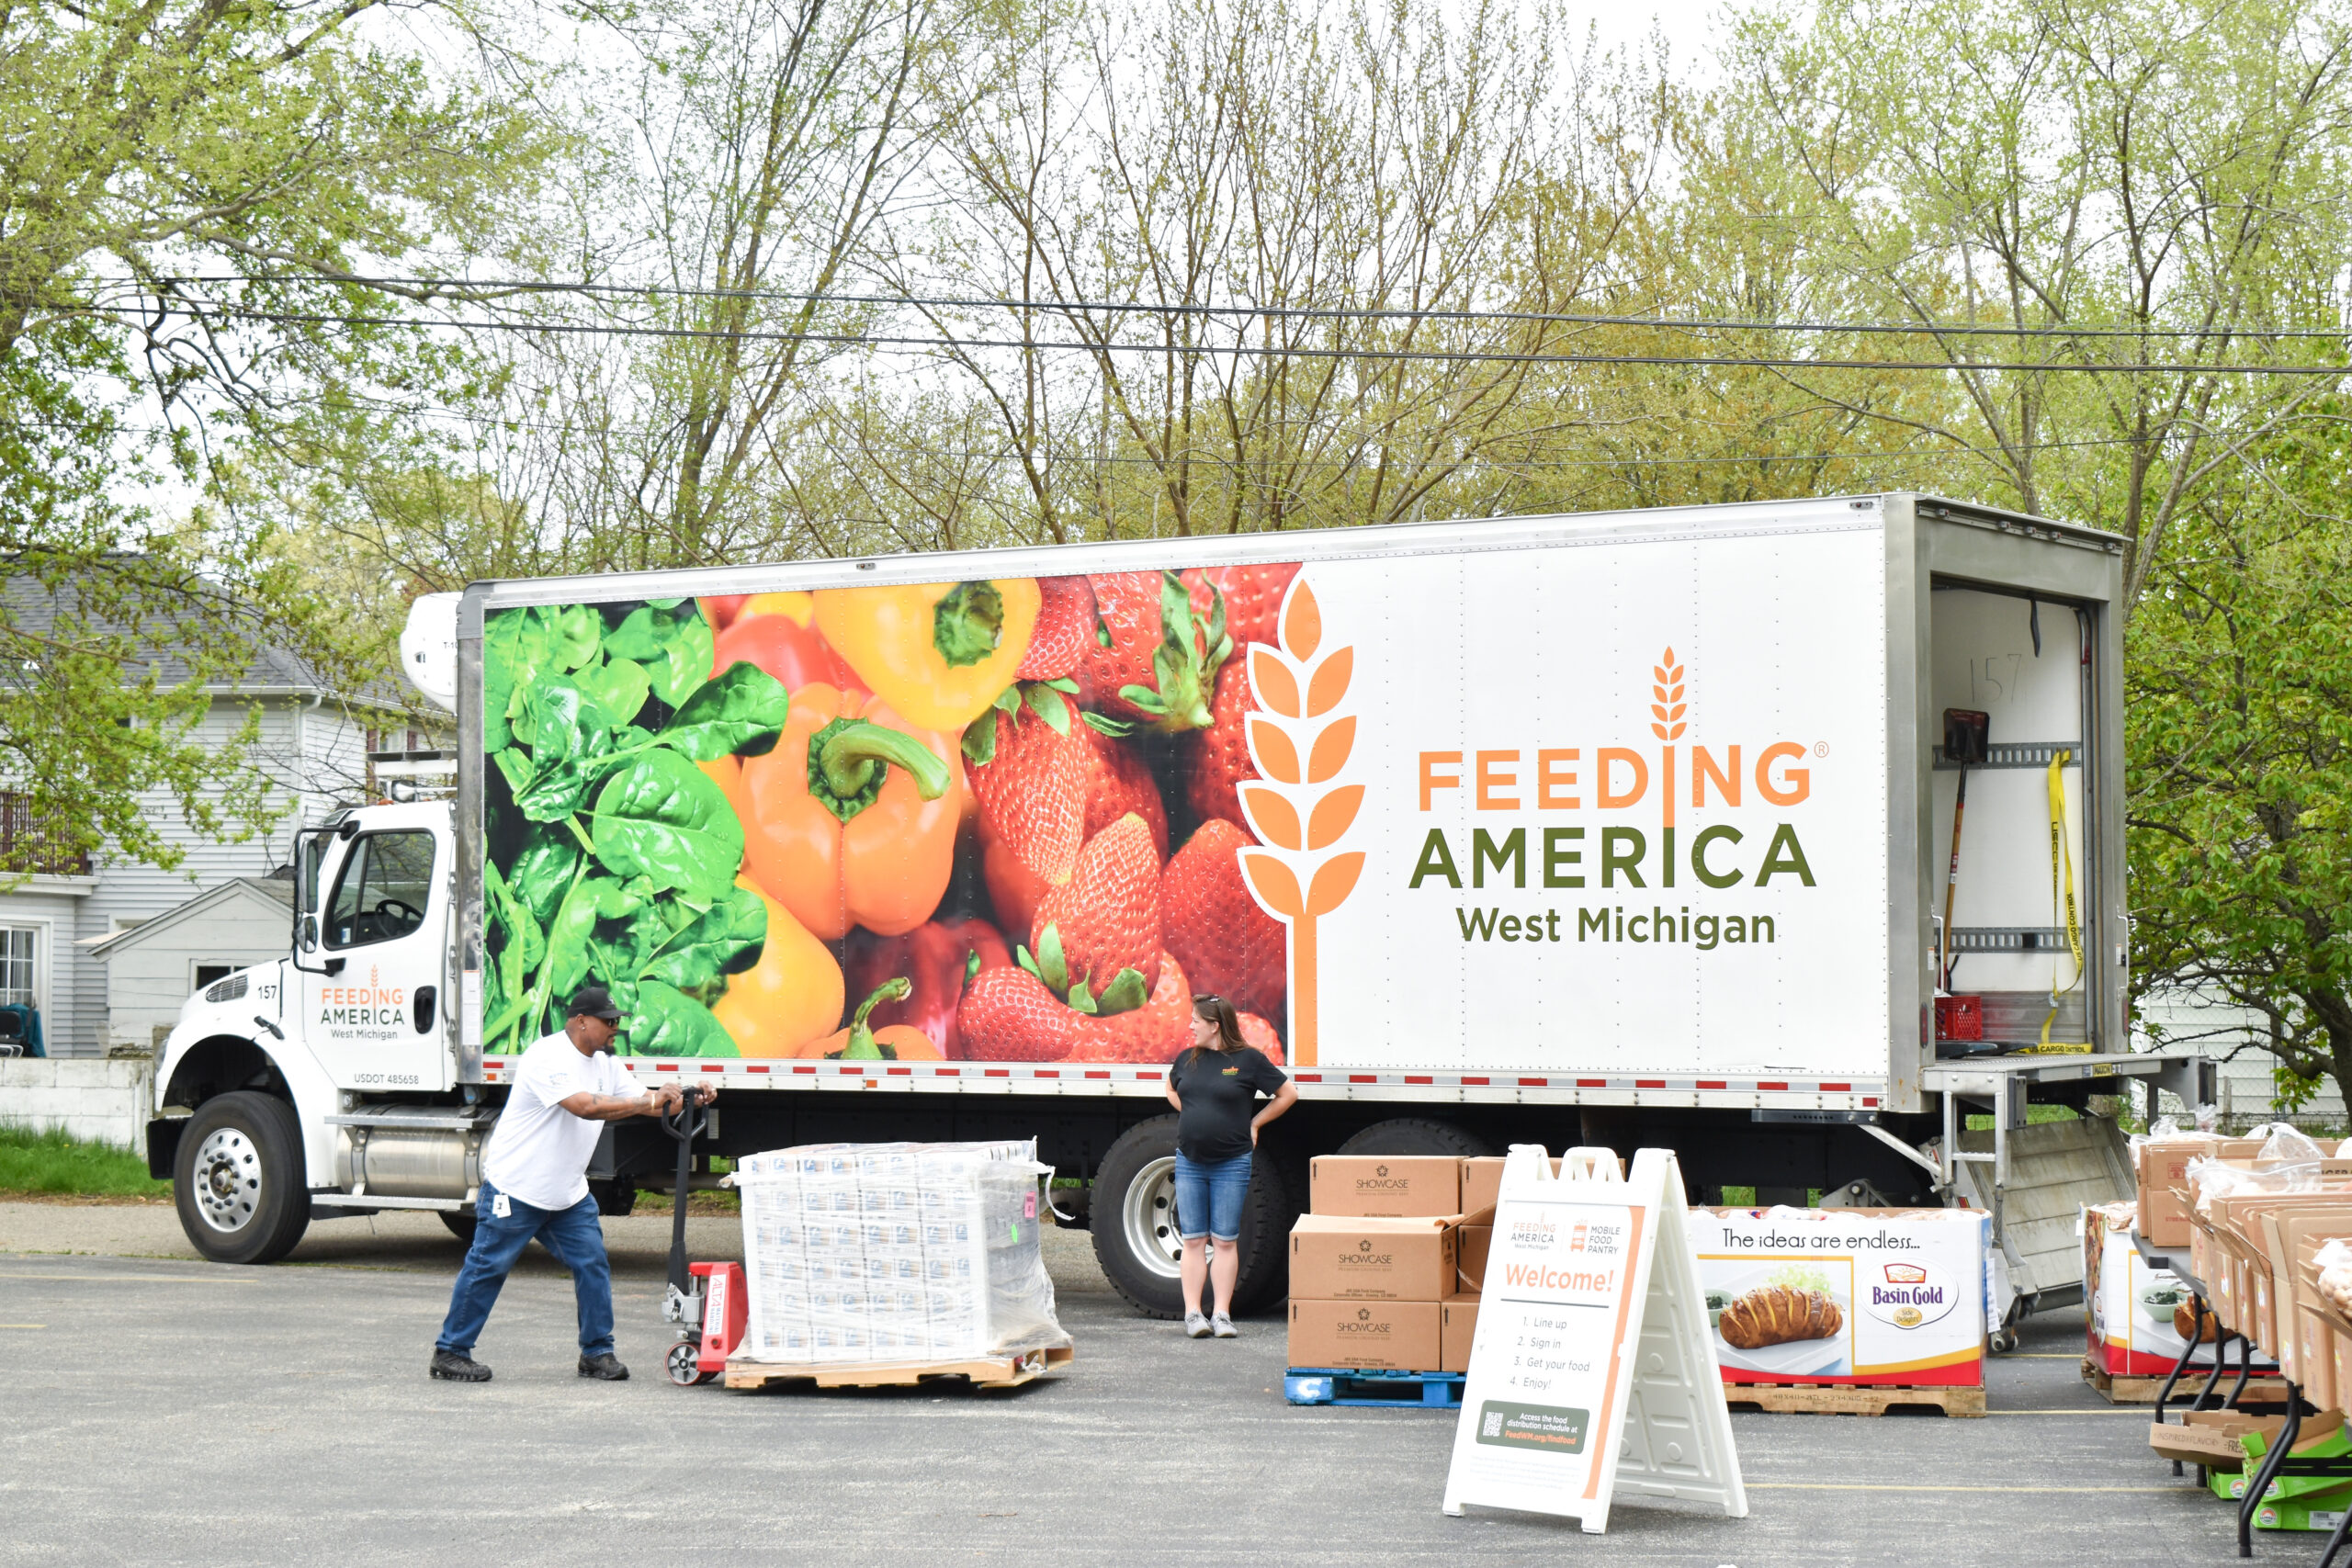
{"x": 310, "y": 934}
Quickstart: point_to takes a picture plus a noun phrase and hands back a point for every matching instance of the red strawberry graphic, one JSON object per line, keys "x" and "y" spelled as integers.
{"x": 1253, "y": 597}
{"x": 1155, "y": 1032}
{"x": 1159, "y": 661}
{"x": 1065, "y": 629}
{"x": 1013, "y": 888}
{"x": 1007, "y": 1015}
{"x": 1211, "y": 925}
{"x": 1105, "y": 918}
{"x": 1256, "y": 1030}
{"x": 1117, "y": 783}
{"x": 1218, "y": 756}
{"x": 1032, "y": 791}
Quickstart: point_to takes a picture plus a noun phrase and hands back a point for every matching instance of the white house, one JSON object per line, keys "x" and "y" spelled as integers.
{"x": 60, "y": 925}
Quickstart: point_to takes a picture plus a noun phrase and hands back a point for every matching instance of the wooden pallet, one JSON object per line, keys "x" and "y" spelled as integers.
{"x": 982, "y": 1372}
{"x": 1852, "y": 1399}
{"x": 2142, "y": 1390}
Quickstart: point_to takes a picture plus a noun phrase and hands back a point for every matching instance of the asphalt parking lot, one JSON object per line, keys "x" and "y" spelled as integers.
{"x": 160, "y": 1410}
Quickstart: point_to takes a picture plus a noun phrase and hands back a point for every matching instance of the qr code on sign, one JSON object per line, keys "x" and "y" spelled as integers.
{"x": 1494, "y": 1423}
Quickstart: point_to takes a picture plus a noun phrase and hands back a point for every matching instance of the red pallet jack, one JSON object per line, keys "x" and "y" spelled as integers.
{"x": 707, "y": 1301}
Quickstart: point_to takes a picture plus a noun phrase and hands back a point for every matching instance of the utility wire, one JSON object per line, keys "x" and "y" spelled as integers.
{"x": 1291, "y": 312}
{"x": 209, "y": 309}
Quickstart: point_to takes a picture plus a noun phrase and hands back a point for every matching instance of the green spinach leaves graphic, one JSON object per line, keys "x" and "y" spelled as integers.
{"x": 610, "y": 855}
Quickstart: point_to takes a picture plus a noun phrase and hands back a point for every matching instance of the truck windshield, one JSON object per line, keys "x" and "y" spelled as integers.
{"x": 387, "y": 881}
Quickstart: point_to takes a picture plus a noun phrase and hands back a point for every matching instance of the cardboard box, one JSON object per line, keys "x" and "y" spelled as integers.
{"x": 1482, "y": 1181}
{"x": 1457, "y": 1324}
{"x": 1397, "y": 1337}
{"x": 1355, "y": 1257}
{"x": 2239, "y": 1231}
{"x": 1396, "y": 1186}
{"x": 1470, "y": 1249}
{"x": 2210, "y": 1438}
{"x": 1908, "y": 1287}
{"x": 2164, "y": 1175}
{"x": 2320, "y": 1511}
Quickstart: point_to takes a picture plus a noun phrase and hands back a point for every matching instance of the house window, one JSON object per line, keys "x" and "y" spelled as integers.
{"x": 208, "y": 973}
{"x": 18, "y": 986}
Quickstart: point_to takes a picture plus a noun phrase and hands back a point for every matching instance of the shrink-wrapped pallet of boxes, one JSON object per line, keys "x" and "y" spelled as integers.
{"x": 872, "y": 1253}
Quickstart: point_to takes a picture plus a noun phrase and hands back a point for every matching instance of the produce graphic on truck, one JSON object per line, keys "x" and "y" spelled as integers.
{"x": 1625, "y": 822}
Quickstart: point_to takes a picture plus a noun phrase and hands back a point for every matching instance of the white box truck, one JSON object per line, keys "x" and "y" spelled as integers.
{"x": 1630, "y": 829}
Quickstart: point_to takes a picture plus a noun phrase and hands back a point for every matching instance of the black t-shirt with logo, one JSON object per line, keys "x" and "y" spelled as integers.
{"x": 1219, "y": 1089}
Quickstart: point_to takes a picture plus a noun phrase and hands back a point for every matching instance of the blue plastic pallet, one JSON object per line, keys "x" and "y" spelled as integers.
{"x": 1394, "y": 1391}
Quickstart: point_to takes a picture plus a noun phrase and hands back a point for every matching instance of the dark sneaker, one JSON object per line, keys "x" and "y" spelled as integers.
{"x": 606, "y": 1366}
{"x": 451, "y": 1367}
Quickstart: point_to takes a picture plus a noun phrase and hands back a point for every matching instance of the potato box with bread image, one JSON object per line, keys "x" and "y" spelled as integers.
{"x": 1845, "y": 1295}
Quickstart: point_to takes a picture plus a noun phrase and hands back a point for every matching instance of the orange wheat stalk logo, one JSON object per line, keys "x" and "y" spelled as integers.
{"x": 1665, "y": 699}
{"x": 1299, "y": 811}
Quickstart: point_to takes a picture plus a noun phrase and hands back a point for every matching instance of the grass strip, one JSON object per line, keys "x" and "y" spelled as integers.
{"x": 48, "y": 1162}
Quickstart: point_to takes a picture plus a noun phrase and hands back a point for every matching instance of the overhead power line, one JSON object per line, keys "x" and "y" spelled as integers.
{"x": 2222, "y": 330}
{"x": 206, "y": 310}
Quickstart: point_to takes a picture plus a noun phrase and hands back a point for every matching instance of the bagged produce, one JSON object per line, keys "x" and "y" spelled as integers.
{"x": 895, "y": 1252}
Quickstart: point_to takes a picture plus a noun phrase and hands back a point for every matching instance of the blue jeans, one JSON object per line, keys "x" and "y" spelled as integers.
{"x": 578, "y": 1243}
{"x": 1209, "y": 1196}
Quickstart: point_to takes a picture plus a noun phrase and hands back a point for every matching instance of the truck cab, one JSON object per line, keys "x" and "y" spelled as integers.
{"x": 285, "y": 1085}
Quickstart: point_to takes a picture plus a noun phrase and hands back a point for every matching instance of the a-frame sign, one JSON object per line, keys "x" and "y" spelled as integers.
{"x": 1592, "y": 1369}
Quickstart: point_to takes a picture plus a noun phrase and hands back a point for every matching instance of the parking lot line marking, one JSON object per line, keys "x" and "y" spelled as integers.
{"x": 23, "y": 1325}
{"x": 149, "y": 1278}
{"x": 1855, "y": 1486}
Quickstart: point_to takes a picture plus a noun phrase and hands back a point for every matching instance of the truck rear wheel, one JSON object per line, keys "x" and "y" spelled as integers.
{"x": 1134, "y": 1225}
{"x": 1406, "y": 1135}
{"x": 238, "y": 1179}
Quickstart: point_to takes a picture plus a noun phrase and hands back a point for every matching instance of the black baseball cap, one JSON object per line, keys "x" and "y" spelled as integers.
{"x": 594, "y": 1001}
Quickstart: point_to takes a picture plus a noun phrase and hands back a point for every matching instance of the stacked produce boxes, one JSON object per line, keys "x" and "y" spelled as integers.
{"x": 2267, "y": 1225}
{"x": 1376, "y": 1263}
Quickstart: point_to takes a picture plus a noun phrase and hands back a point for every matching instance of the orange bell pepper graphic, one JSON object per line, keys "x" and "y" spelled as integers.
{"x": 851, "y": 819}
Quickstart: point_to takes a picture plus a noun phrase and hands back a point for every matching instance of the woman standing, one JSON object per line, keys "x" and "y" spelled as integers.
{"x": 1214, "y": 1086}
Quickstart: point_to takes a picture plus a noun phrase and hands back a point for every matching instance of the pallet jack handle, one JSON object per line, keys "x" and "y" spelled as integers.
{"x": 685, "y": 1124}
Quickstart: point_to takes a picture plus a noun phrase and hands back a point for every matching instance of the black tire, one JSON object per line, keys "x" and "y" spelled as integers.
{"x": 1133, "y": 1169}
{"x": 1406, "y": 1135}
{"x": 238, "y": 1179}
{"x": 615, "y": 1196}
{"x": 1274, "y": 1206}
{"x": 461, "y": 1223}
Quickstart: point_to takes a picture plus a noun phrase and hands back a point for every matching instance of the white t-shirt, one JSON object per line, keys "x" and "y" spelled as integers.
{"x": 539, "y": 1151}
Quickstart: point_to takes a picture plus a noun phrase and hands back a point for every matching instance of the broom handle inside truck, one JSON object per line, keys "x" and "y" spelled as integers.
{"x": 1951, "y": 887}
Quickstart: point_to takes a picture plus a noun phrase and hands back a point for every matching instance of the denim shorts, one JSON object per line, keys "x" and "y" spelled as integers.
{"x": 1213, "y": 1192}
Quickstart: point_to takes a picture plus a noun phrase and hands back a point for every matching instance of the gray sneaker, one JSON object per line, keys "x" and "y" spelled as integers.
{"x": 1195, "y": 1325}
{"x": 606, "y": 1367}
{"x": 1222, "y": 1326}
{"x": 449, "y": 1366}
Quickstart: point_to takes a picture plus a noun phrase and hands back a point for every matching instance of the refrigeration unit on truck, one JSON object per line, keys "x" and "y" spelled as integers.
{"x": 1630, "y": 829}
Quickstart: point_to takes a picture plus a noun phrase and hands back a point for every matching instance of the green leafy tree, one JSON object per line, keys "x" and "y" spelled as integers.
{"x": 2240, "y": 737}
{"x": 189, "y": 192}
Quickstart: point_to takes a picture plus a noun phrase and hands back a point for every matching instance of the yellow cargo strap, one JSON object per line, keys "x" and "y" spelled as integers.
{"x": 2062, "y": 901}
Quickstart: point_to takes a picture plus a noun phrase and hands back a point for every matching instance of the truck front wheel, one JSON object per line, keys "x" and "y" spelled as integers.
{"x": 238, "y": 1179}
{"x": 1134, "y": 1224}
